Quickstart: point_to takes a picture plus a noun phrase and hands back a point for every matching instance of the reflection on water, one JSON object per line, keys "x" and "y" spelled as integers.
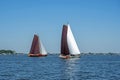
{"x": 69, "y": 68}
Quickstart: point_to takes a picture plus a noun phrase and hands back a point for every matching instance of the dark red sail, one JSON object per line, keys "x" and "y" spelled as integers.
{"x": 64, "y": 45}
{"x": 35, "y": 48}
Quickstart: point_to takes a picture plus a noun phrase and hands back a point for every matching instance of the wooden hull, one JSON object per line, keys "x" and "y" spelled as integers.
{"x": 37, "y": 55}
{"x": 65, "y": 57}
{"x": 69, "y": 56}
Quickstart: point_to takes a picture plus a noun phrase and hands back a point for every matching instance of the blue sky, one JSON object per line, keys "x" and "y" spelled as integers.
{"x": 94, "y": 23}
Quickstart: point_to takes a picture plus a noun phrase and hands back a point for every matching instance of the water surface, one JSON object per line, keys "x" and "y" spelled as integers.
{"x": 88, "y": 67}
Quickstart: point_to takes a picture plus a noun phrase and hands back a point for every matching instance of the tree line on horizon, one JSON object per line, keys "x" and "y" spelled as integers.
{"x": 7, "y": 51}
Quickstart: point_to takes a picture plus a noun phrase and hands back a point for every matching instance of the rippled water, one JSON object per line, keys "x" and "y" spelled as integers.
{"x": 88, "y": 67}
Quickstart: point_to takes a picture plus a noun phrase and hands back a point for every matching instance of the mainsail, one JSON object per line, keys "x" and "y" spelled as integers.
{"x": 35, "y": 48}
{"x": 68, "y": 43}
{"x": 64, "y": 44}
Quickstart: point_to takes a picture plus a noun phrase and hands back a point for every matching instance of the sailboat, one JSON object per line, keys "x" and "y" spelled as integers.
{"x": 37, "y": 48}
{"x": 69, "y": 46}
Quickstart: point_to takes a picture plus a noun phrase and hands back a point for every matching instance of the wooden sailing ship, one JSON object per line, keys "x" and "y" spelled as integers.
{"x": 69, "y": 47}
{"x": 37, "y": 48}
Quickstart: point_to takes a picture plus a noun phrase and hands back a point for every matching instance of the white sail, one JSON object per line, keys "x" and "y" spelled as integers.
{"x": 73, "y": 48}
{"x": 42, "y": 49}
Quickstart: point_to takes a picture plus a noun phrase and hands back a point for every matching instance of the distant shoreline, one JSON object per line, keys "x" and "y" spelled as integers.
{"x": 10, "y": 52}
{"x": 100, "y": 53}
{"x": 7, "y": 51}
{"x": 90, "y": 53}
